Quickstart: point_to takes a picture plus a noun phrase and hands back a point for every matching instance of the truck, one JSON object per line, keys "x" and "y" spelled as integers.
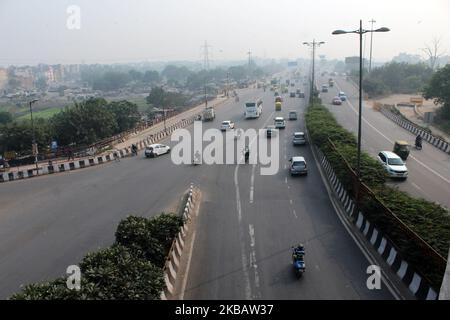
{"x": 330, "y": 82}
{"x": 253, "y": 109}
{"x": 208, "y": 114}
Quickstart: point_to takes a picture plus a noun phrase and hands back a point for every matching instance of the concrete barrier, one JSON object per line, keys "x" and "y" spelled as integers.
{"x": 173, "y": 259}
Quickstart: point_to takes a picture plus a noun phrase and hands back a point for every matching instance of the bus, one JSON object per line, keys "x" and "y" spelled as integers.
{"x": 253, "y": 109}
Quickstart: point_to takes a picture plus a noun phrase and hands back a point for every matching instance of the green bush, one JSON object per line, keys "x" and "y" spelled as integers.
{"x": 132, "y": 268}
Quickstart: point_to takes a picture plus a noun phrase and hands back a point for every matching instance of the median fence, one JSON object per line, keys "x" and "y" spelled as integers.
{"x": 172, "y": 264}
{"x": 437, "y": 142}
{"x": 386, "y": 248}
{"x": 112, "y": 155}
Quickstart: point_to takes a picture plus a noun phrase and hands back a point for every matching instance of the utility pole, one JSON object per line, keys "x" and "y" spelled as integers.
{"x": 249, "y": 60}
{"x": 206, "y": 55}
{"x": 371, "y": 40}
{"x": 34, "y": 144}
{"x": 313, "y": 44}
{"x": 228, "y": 83}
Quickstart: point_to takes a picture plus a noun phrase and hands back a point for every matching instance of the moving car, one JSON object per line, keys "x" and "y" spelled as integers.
{"x": 342, "y": 95}
{"x": 298, "y": 166}
{"x": 280, "y": 123}
{"x": 393, "y": 164}
{"x": 226, "y": 125}
{"x": 336, "y": 101}
{"x": 324, "y": 88}
{"x": 155, "y": 150}
{"x": 271, "y": 131}
{"x": 299, "y": 138}
{"x": 292, "y": 115}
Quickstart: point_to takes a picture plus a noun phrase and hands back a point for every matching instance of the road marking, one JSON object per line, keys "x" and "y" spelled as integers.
{"x": 252, "y": 183}
{"x": 416, "y": 186}
{"x": 295, "y": 214}
{"x": 252, "y": 257}
{"x": 290, "y": 201}
{"x": 248, "y": 290}
{"x": 411, "y": 156}
{"x": 285, "y": 180}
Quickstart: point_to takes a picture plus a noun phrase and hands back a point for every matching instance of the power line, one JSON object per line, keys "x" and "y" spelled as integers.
{"x": 206, "y": 60}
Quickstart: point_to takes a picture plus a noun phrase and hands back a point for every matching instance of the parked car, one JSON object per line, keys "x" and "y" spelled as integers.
{"x": 292, "y": 115}
{"x": 226, "y": 125}
{"x": 299, "y": 138}
{"x": 271, "y": 131}
{"x": 155, "y": 150}
{"x": 342, "y": 96}
{"x": 301, "y": 95}
{"x": 298, "y": 166}
{"x": 280, "y": 123}
{"x": 336, "y": 101}
{"x": 292, "y": 95}
{"x": 393, "y": 164}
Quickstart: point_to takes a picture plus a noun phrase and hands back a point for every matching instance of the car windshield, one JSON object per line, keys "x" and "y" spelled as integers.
{"x": 298, "y": 164}
{"x": 395, "y": 162}
{"x": 298, "y": 136}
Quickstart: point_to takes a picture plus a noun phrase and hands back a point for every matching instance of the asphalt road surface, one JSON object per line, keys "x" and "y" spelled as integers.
{"x": 245, "y": 229}
{"x": 428, "y": 169}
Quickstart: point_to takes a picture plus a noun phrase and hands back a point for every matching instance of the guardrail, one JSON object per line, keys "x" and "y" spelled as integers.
{"x": 437, "y": 142}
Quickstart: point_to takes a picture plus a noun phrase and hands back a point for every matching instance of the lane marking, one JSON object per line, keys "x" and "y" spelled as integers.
{"x": 416, "y": 186}
{"x": 295, "y": 214}
{"x": 252, "y": 183}
{"x": 248, "y": 290}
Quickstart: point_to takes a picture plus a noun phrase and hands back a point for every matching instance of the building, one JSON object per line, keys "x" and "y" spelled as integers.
{"x": 3, "y": 78}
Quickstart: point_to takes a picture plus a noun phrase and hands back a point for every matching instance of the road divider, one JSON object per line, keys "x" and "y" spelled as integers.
{"x": 172, "y": 264}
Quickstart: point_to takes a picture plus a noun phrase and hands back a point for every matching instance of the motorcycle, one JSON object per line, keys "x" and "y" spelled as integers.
{"x": 298, "y": 261}
{"x": 246, "y": 154}
{"x": 134, "y": 152}
{"x": 418, "y": 145}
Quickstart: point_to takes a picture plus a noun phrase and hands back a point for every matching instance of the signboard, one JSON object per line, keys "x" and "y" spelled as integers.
{"x": 416, "y": 100}
{"x": 54, "y": 145}
{"x": 10, "y": 155}
{"x": 292, "y": 63}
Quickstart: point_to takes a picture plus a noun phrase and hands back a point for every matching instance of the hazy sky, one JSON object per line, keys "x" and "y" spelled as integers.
{"x": 136, "y": 30}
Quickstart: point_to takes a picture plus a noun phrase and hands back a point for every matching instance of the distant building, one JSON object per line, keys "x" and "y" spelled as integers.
{"x": 3, "y": 78}
{"x": 352, "y": 63}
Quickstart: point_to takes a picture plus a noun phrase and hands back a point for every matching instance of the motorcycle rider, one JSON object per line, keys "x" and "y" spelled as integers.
{"x": 247, "y": 153}
{"x": 299, "y": 252}
{"x": 197, "y": 157}
{"x": 134, "y": 149}
{"x": 419, "y": 141}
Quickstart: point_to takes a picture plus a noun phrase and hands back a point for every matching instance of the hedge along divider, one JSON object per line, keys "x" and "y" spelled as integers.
{"x": 380, "y": 209}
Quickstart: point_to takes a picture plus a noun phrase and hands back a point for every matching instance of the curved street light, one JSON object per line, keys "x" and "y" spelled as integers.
{"x": 360, "y": 31}
{"x": 313, "y": 44}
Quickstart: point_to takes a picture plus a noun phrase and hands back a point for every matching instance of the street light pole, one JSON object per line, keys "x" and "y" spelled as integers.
{"x": 34, "y": 145}
{"x": 360, "y": 31}
{"x": 313, "y": 44}
{"x": 371, "y": 41}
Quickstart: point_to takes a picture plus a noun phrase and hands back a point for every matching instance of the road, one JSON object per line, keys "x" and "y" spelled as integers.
{"x": 50, "y": 222}
{"x": 429, "y": 169}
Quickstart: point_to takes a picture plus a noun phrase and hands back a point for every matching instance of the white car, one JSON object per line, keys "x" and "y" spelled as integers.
{"x": 280, "y": 123}
{"x": 393, "y": 164}
{"x": 155, "y": 150}
{"x": 299, "y": 138}
{"x": 298, "y": 166}
{"x": 226, "y": 125}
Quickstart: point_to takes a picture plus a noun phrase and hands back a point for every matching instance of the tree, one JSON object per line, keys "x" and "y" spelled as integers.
{"x": 85, "y": 122}
{"x": 438, "y": 89}
{"x": 151, "y": 77}
{"x": 433, "y": 53}
{"x": 126, "y": 114}
{"x": 13, "y": 83}
{"x": 41, "y": 84}
{"x": 111, "y": 80}
{"x": 5, "y": 117}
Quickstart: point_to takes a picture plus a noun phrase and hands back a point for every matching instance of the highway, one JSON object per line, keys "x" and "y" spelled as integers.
{"x": 429, "y": 168}
{"x": 245, "y": 229}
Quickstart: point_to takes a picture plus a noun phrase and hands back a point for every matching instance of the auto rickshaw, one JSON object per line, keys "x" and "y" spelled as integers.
{"x": 401, "y": 148}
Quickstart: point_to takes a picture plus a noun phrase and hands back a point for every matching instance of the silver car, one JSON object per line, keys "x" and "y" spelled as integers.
{"x": 299, "y": 138}
{"x": 298, "y": 166}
